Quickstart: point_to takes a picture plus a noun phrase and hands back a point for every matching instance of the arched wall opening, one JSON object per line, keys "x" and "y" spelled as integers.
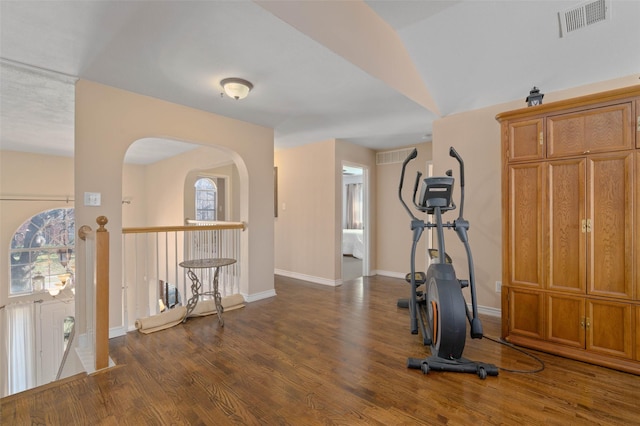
{"x": 109, "y": 120}
{"x": 160, "y": 191}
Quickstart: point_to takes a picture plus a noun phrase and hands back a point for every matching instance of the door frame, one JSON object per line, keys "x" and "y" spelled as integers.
{"x": 366, "y": 206}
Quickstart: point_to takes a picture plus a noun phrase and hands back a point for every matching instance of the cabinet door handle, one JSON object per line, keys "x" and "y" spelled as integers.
{"x": 541, "y": 136}
{"x": 588, "y": 229}
{"x": 582, "y": 322}
{"x": 584, "y": 226}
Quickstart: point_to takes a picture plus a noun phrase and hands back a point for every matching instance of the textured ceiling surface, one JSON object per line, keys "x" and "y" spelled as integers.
{"x": 375, "y": 73}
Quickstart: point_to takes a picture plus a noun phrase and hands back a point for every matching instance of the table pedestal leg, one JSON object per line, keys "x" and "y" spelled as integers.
{"x": 217, "y": 298}
{"x": 196, "y": 291}
{"x": 196, "y": 286}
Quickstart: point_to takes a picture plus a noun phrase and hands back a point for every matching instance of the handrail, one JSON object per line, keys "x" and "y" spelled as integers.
{"x": 84, "y": 232}
{"x": 151, "y": 229}
{"x": 67, "y": 349}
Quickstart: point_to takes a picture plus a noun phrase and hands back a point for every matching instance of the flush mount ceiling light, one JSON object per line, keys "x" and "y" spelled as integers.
{"x": 236, "y": 88}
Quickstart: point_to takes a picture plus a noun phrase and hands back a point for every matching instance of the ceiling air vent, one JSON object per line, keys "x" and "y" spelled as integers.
{"x": 392, "y": 157}
{"x": 583, "y": 15}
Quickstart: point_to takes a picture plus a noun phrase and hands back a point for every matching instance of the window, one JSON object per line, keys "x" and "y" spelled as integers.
{"x": 206, "y": 199}
{"x": 354, "y": 206}
{"x": 41, "y": 254}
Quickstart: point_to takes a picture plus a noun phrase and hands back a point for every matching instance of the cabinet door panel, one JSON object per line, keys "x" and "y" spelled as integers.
{"x": 525, "y": 140}
{"x": 636, "y": 290}
{"x": 636, "y": 324}
{"x": 637, "y": 124}
{"x": 565, "y": 135}
{"x": 525, "y": 224}
{"x": 566, "y": 254}
{"x": 597, "y": 130}
{"x": 526, "y": 313}
{"x": 566, "y": 320}
{"x": 611, "y": 213}
{"x": 609, "y": 328}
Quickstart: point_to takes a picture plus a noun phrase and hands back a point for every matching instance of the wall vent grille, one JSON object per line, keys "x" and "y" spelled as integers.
{"x": 583, "y": 15}
{"x": 393, "y": 157}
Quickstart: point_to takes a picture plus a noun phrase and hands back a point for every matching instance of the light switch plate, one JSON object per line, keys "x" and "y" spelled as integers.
{"x": 92, "y": 199}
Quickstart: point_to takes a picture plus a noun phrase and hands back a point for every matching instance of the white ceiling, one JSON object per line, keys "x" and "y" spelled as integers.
{"x": 314, "y": 74}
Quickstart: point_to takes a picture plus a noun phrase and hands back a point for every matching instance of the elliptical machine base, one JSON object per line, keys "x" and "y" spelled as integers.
{"x": 460, "y": 365}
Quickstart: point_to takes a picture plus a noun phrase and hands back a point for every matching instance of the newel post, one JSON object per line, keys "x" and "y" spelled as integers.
{"x": 102, "y": 294}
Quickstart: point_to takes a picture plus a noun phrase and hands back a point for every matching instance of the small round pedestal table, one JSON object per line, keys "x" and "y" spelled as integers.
{"x": 196, "y": 285}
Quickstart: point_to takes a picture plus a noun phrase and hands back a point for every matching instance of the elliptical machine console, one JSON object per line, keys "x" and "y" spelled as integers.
{"x": 437, "y": 306}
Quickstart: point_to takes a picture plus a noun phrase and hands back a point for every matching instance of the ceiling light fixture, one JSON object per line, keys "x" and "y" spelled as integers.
{"x": 236, "y": 88}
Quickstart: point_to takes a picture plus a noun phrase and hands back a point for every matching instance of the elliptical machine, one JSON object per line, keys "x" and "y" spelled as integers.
{"x": 440, "y": 310}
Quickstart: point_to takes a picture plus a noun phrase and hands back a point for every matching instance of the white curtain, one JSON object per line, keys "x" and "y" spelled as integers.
{"x": 19, "y": 366}
{"x": 354, "y": 206}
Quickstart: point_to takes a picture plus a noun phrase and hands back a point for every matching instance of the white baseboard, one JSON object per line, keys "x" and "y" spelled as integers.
{"x": 487, "y": 310}
{"x": 310, "y": 278}
{"x": 390, "y": 274}
{"x": 117, "y": 332}
{"x": 259, "y": 296}
{"x": 87, "y": 357}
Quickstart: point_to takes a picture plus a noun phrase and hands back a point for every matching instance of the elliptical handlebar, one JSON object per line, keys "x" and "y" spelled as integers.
{"x": 453, "y": 153}
{"x": 415, "y": 190}
{"x": 414, "y": 153}
{"x": 406, "y": 161}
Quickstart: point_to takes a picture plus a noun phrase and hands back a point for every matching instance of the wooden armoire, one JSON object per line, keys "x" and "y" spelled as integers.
{"x": 571, "y": 228}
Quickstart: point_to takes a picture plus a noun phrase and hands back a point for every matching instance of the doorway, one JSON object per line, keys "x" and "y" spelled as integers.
{"x": 354, "y": 221}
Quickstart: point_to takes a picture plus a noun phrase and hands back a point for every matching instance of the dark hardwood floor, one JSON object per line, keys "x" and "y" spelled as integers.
{"x": 320, "y": 355}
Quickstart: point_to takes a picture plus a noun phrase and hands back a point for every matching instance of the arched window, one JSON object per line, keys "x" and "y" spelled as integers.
{"x": 41, "y": 254}
{"x": 206, "y": 199}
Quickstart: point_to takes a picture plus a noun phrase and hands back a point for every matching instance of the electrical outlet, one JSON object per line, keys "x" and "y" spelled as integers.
{"x": 498, "y": 286}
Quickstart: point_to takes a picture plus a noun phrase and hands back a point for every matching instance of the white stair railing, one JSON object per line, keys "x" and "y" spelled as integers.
{"x": 152, "y": 278}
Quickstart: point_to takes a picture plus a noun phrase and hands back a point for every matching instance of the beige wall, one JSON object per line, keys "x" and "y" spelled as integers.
{"x": 306, "y": 176}
{"x": 305, "y": 226}
{"x": 350, "y": 154}
{"x": 308, "y": 229}
{"x": 394, "y": 225}
{"x": 168, "y": 180}
{"x": 232, "y": 201}
{"x": 476, "y": 136}
{"x": 109, "y": 120}
{"x": 134, "y": 195}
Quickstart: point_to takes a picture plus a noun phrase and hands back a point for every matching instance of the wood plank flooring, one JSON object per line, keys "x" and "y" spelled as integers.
{"x": 316, "y": 355}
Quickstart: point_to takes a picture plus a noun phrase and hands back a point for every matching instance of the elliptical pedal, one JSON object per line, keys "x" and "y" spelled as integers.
{"x": 420, "y": 278}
